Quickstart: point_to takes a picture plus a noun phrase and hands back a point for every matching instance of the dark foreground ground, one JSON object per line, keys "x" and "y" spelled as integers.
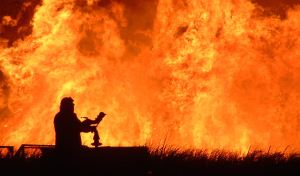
{"x": 140, "y": 161}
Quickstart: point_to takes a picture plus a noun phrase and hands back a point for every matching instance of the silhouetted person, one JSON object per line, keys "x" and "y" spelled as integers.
{"x": 68, "y": 128}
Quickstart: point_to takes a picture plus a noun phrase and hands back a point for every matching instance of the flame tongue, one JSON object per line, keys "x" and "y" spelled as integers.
{"x": 217, "y": 74}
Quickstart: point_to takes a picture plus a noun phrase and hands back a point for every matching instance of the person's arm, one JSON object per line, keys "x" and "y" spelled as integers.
{"x": 85, "y": 126}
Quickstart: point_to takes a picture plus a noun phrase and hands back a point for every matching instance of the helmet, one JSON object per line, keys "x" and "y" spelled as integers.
{"x": 66, "y": 103}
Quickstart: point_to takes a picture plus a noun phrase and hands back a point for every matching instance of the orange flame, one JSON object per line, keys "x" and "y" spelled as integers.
{"x": 199, "y": 74}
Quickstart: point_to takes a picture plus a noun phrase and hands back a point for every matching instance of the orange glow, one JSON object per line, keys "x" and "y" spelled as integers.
{"x": 193, "y": 74}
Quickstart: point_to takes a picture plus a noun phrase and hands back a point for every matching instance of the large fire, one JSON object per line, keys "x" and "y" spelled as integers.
{"x": 191, "y": 74}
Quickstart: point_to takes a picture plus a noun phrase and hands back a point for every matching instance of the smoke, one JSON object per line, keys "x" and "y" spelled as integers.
{"x": 278, "y": 8}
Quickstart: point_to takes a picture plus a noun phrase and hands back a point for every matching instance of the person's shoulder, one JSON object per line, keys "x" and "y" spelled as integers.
{"x": 75, "y": 116}
{"x": 58, "y": 115}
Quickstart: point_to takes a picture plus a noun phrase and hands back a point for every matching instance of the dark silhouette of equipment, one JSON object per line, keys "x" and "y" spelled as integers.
{"x": 94, "y": 124}
{"x": 6, "y": 151}
{"x": 28, "y": 150}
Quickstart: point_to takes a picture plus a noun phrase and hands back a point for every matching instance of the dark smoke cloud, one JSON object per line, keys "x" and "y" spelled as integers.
{"x": 275, "y": 7}
{"x": 15, "y": 18}
{"x": 140, "y": 17}
{"x": 136, "y": 12}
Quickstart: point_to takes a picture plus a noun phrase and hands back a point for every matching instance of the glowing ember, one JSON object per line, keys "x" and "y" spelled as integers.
{"x": 193, "y": 74}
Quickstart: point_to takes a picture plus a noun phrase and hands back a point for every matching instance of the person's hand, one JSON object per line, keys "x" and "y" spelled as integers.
{"x": 99, "y": 117}
{"x": 87, "y": 121}
{"x": 93, "y": 128}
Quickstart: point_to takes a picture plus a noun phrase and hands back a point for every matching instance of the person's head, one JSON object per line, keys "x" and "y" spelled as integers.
{"x": 67, "y": 105}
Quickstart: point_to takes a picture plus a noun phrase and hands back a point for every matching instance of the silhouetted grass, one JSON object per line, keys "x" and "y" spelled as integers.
{"x": 173, "y": 161}
{"x": 159, "y": 161}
